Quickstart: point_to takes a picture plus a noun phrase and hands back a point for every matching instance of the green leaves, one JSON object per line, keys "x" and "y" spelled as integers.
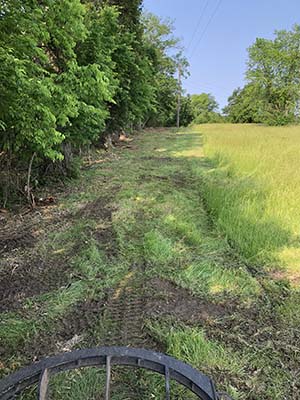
{"x": 161, "y": 49}
{"x": 72, "y": 70}
{"x": 273, "y": 91}
{"x": 245, "y": 105}
{"x": 205, "y": 108}
{"x": 38, "y": 49}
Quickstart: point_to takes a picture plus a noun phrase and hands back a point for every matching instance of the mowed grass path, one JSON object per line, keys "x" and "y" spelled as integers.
{"x": 143, "y": 260}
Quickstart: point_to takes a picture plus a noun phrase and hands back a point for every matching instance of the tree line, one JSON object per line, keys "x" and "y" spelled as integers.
{"x": 75, "y": 71}
{"x": 272, "y": 92}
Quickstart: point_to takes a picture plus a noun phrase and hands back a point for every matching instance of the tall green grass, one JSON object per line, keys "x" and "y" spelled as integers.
{"x": 253, "y": 189}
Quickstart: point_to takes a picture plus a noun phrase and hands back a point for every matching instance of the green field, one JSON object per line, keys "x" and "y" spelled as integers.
{"x": 167, "y": 244}
{"x": 253, "y": 191}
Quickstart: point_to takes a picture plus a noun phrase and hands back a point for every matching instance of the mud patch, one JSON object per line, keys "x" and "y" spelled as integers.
{"x": 16, "y": 239}
{"x": 98, "y": 208}
{"x": 152, "y": 178}
{"x": 135, "y": 301}
{"x": 256, "y": 326}
{"x": 30, "y": 279}
{"x": 23, "y": 229}
{"x": 124, "y": 314}
{"x": 78, "y": 323}
{"x": 101, "y": 211}
{"x": 165, "y": 299}
{"x": 257, "y": 331}
{"x": 182, "y": 180}
{"x": 106, "y": 238}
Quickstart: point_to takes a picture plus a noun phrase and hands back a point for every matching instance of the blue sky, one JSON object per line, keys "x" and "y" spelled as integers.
{"x": 218, "y": 55}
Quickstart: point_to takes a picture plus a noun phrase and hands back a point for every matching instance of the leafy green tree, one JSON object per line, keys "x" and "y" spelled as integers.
{"x": 204, "y": 108}
{"x": 272, "y": 93}
{"x": 73, "y": 71}
{"x": 134, "y": 94}
{"x": 186, "y": 111}
{"x": 130, "y": 14}
{"x": 94, "y": 80}
{"x": 244, "y": 106}
{"x": 37, "y": 54}
{"x": 163, "y": 51}
{"x": 203, "y": 102}
{"x": 274, "y": 70}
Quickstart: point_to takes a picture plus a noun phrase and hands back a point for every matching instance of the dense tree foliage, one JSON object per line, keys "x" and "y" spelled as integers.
{"x": 160, "y": 41}
{"x": 73, "y": 71}
{"x": 38, "y": 62}
{"x": 204, "y": 108}
{"x": 244, "y": 106}
{"x": 273, "y": 91}
{"x": 186, "y": 111}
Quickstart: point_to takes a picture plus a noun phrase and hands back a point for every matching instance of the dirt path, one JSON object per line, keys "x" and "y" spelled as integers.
{"x": 129, "y": 255}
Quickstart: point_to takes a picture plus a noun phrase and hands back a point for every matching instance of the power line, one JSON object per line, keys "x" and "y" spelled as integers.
{"x": 198, "y": 24}
{"x": 206, "y": 26}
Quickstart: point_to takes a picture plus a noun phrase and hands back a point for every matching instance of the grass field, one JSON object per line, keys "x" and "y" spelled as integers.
{"x": 144, "y": 250}
{"x": 253, "y": 191}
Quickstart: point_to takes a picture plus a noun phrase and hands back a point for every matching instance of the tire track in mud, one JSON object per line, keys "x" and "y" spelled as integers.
{"x": 124, "y": 313}
{"x": 137, "y": 300}
{"x": 123, "y": 319}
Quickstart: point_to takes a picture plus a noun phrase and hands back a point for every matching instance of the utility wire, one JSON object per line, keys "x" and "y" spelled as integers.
{"x": 198, "y": 25}
{"x": 206, "y": 27}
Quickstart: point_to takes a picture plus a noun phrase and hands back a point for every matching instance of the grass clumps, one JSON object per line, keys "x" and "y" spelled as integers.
{"x": 14, "y": 331}
{"x": 17, "y": 330}
{"x": 158, "y": 249}
{"x": 192, "y": 346}
{"x": 209, "y": 278}
{"x": 288, "y": 310}
{"x": 82, "y": 383}
{"x": 90, "y": 263}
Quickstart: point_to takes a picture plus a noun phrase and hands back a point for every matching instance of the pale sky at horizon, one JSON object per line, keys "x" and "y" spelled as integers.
{"x": 218, "y": 52}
